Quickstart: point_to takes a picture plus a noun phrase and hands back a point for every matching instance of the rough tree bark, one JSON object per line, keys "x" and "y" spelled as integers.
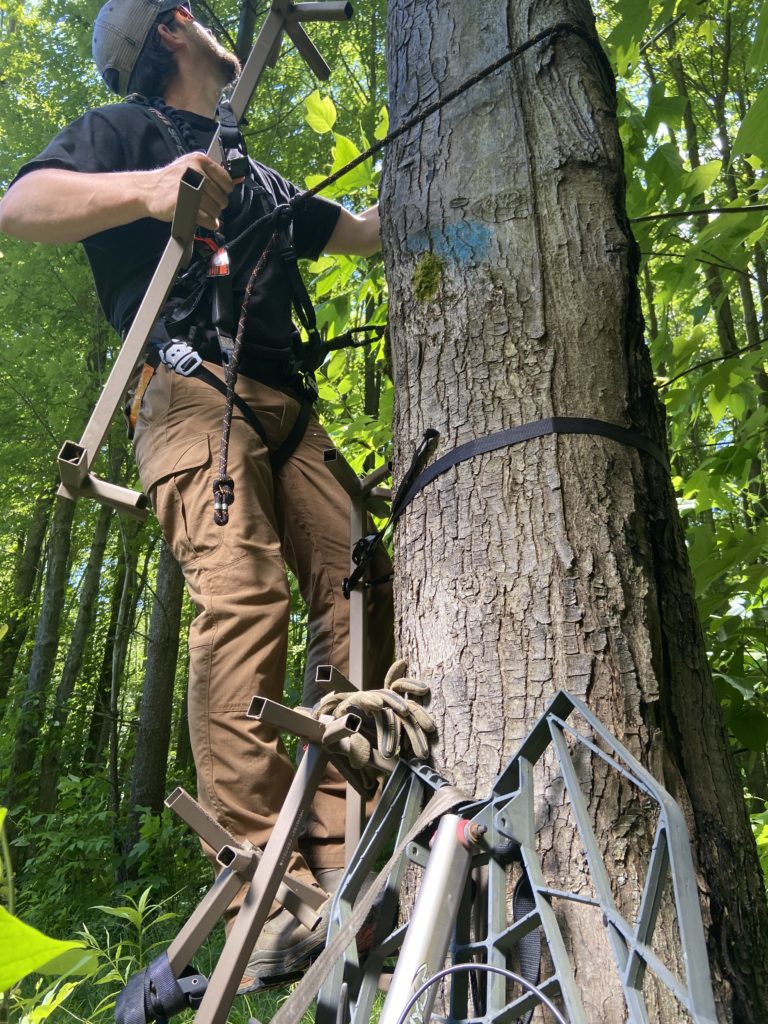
{"x": 559, "y": 562}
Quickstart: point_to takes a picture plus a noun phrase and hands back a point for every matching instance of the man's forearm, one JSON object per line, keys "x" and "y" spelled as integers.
{"x": 356, "y": 234}
{"x": 58, "y": 206}
{"x": 55, "y": 205}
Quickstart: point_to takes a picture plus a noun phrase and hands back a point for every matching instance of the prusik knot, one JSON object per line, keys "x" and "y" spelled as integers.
{"x": 282, "y": 216}
{"x": 223, "y": 496}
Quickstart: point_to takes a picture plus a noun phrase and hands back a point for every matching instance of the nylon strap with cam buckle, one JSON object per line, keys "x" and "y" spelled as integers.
{"x": 412, "y": 483}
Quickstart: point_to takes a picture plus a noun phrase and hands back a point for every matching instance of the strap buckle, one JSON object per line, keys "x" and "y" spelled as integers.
{"x": 180, "y": 357}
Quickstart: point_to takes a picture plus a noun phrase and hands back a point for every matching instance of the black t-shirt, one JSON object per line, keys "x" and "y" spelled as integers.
{"x": 128, "y": 137}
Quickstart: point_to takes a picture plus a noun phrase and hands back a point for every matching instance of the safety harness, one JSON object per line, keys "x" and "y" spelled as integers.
{"x": 205, "y": 296}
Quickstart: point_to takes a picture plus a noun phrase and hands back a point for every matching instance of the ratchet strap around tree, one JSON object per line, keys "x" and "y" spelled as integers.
{"x": 527, "y": 432}
{"x": 413, "y": 484}
{"x": 155, "y": 993}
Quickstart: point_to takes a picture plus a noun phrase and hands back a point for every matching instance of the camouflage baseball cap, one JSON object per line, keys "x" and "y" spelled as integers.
{"x": 119, "y": 34}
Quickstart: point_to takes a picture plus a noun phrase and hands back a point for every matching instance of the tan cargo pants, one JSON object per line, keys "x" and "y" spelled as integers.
{"x": 237, "y": 581}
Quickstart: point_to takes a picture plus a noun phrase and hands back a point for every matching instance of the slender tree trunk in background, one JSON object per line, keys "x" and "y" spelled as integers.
{"x": 761, "y": 271}
{"x": 245, "y": 29}
{"x": 20, "y": 785}
{"x": 148, "y": 778}
{"x": 96, "y": 738}
{"x": 559, "y": 562}
{"x": 86, "y": 615}
{"x": 756, "y": 484}
{"x": 183, "y": 746}
{"x": 23, "y": 588}
{"x": 126, "y": 617}
{"x": 184, "y": 762}
{"x": 718, "y": 293}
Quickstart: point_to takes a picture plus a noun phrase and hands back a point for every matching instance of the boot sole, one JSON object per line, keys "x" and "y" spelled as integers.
{"x": 281, "y": 967}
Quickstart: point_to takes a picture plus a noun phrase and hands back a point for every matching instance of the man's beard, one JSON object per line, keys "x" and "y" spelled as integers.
{"x": 223, "y": 63}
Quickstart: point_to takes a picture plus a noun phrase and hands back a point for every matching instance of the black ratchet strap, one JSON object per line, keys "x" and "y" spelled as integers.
{"x": 527, "y": 432}
{"x": 413, "y": 484}
{"x": 364, "y": 548}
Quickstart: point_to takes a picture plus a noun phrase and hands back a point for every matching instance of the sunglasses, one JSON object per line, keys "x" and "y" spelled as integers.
{"x": 180, "y": 13}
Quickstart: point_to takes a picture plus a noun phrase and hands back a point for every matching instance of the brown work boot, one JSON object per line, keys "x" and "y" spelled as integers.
{"x": 330, "y": 879}
{"x": 284, "y": 950}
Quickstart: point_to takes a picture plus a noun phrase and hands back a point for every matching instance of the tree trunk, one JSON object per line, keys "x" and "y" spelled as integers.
{"x": 184, "y": 762}
{"x": 718, "y": 293}
{"x": 97, "y": 734}
{"x": 246, "y": 28}
{"x": 148, "y": 778}
{"x": 126, "y": 617}
{"x": 558, "y": 563}
{"x": 27, "y": 567}
{"x": 54, "y": 739}
{"x": 20, "y": 785}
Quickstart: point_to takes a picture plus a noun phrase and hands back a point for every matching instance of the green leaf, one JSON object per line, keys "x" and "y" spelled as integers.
{"x": 663, "y": 109}
{"x": 718, "y": 404}
{"x": 707, "y": 31}
{"x": 753, "y": 133}
{"x": 750, "y": 726}
{"x": 737, "y": 403}
{"x": 321, "y": 112}
{"x": 130, "y": 914}
{"x": 734, "y": 683}
{"x": 24, "y": 949}
{"x": 685, "y": 345}
{"x": 50, "y": 1002}
{"x": 666, "y": 166}
{"x": 758, "y": 55}
{"x": 382, "y": 124}
{"x": 634, "y": 18}
{"x": 343, "y": 153}
{"x": 701, "y": 179}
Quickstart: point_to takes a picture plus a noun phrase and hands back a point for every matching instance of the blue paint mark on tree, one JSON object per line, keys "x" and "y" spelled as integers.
{"x": 464, "y": 241}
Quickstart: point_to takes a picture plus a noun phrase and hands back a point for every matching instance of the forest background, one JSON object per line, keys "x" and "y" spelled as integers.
{"x": 92, "y": 673}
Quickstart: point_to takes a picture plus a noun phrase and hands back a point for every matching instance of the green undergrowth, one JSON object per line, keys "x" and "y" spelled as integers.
{"x": 117, "y": 943}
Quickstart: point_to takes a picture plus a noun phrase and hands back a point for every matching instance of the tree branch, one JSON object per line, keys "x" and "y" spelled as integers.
{"x": 217, "y": 23}
{"x": 684, "y": 256}
{"x": 657, "y": 35}
{"x": 680, "y": 213}
{"x": 712, "y": 359}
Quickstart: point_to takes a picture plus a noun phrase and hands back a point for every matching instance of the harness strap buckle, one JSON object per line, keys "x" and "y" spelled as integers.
{"x": 180, "y": 357}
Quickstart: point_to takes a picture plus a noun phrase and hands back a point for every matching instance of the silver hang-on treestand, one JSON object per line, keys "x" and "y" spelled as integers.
{"x": 506, "y": 956}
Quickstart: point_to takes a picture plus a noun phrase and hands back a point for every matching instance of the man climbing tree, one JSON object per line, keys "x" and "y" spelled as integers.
{"x": 111, "y": 180}
{"x": 559, "y": 561}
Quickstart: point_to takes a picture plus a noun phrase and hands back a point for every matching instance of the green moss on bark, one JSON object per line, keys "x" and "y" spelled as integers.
{"x": 426, "y": 276}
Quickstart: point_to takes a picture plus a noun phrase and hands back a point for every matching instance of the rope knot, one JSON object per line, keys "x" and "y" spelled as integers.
{"x": 223, "y": 496}
{"x": 282, "y": 216}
